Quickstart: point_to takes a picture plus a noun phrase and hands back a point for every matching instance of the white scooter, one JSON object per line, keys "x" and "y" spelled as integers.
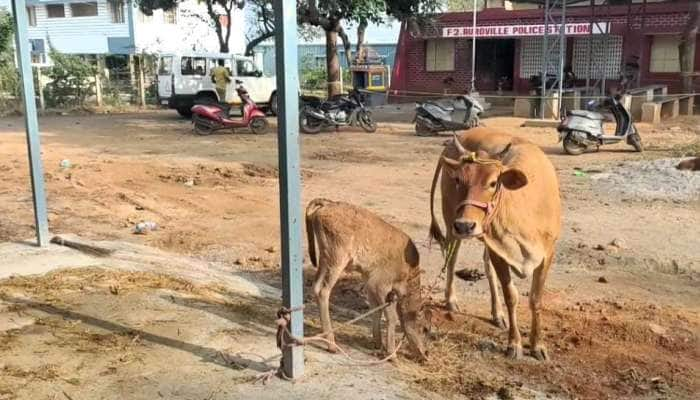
{"x": 583, "y": 129}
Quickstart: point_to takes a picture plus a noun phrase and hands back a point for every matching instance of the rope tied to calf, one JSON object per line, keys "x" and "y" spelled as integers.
{"x": 286, "y": 339}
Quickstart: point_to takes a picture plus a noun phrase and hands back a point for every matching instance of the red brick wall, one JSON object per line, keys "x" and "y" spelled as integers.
{"x": 420, "y": 80}
{"x": 659, "y": 18}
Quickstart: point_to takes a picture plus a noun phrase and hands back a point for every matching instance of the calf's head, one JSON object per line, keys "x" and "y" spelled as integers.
{"x": 479, "y": 180}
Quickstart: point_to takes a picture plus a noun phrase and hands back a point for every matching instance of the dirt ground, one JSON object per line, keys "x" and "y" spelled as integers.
{"x": 621, "y": 321}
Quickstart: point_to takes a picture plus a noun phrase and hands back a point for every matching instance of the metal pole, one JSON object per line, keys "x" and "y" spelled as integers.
{"x": 545, "y": 59}
{"x": 562, "y": 56}
{"x": 290, "y": 179}
{"x": 19, "y": 13}
{"x": 589, "y": 47}
{"x": 472, "y": 88}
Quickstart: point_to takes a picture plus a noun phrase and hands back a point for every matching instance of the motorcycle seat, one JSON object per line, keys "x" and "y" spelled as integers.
{"x": 586, "y": 114}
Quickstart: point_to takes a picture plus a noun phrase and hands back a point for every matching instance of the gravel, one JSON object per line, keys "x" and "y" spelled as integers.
{"x": 650, "y": 180}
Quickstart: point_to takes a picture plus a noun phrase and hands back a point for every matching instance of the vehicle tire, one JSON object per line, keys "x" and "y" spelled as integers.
{"x": 364, "y": 118}
{"x": 571, "y": 147}
{"x": 636, "y": 141}
{"x": 422, "y": 131}
{"x": 309, "y": 125}
{"x": 258, "y": 125}
{"x": 185, "y": 112}
{"x": 200, "y": 127}
{"x": 273, "y": 104}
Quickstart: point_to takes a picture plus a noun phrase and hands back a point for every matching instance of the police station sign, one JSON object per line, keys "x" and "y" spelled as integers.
{"x": 524, "y": 30}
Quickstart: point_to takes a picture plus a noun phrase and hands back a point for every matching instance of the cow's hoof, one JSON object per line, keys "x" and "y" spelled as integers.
{"x": 540, "y": 353}
{"x": 332, "y": 348}
{"x": 514, "y": 352}
{"x": 452, "y": 306}
{"x": 499, "y": 321}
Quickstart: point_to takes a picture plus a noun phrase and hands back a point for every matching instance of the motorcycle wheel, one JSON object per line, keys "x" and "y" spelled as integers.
{"x": 258, "y": 125}
{"x": 309, "y": 125}
{"x": 364, "y": 118}
{"x": 200, "y": 127}
{"x": 571, "y": 147}
{"x": 423, "y": 131}
{"x": 636, "y": 141}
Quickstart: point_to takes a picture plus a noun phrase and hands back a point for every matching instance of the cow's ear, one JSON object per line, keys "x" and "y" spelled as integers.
{"x": 513, "y": 179}
{"x": 451, "y": 166}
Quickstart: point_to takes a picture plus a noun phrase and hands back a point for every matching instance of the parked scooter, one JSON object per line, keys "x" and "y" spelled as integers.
{"x": 317, "y": 114}
{"x": 208, "y": 118}
{"x": 583, "y": 129}
{"x": 438, "y": 116}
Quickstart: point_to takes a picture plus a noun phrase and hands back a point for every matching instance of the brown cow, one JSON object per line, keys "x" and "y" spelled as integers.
{"x": 352, "y": 237}
{"x": 503, "y": 191}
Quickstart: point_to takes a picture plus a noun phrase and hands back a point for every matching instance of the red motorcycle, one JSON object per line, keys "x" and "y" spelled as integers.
{"x": 208, "y": 118}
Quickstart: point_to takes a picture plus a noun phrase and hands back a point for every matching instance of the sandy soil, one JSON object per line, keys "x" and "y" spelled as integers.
{"x": 216, "y": 198}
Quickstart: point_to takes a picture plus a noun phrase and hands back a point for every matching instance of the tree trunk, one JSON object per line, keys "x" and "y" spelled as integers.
{"x": 332, "y": 64}
{"x": 686, "y": 49}
{"x": 361, "y": 29}
{"x": 250, "y": 47}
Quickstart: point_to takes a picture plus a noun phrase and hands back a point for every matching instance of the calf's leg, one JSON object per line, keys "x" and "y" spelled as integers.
{"x": 322, "y": 288}
{"x": 392, "y": 319}
{"x": 496, "y": 308}
{"x": 538, "y": 350}
{"x": 375, "y": 301}
{"x": 510, "y": 294}
{"x": 450, "y": 296}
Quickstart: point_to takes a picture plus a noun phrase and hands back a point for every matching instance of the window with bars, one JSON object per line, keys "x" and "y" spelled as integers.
{"x": 31, "y": 15}
{"x": 531, "y": 56}
{"x": 87, "y": 9}
{"x": 440, "y": 55}
{"x": 605, "y": 59}
{"x": 665, "y": 54}
{"x": 55, "y": 11}
{"x": 170, "y": 16}
{"x": 116, "y": 9}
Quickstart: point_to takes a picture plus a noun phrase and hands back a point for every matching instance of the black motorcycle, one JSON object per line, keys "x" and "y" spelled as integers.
{"x": 583, "y": 129}
{"x": 459, "y": 113}
{"x": 344, "y": 110}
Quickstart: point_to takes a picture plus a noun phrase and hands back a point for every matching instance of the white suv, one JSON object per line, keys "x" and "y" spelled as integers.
{"x": 185, "y": 80}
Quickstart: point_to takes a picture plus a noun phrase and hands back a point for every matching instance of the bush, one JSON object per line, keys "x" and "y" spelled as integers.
{"x": 72, "y": 80}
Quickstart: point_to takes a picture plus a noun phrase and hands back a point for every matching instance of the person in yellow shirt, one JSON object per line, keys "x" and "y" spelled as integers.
{"x": 221, "y": 77}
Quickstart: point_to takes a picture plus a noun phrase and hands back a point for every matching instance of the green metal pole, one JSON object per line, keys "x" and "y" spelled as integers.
{"x": 290, "y": 177}
{"x": 19, "y": 13}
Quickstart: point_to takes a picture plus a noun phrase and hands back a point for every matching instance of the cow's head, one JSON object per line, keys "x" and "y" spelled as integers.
{"x": 479, "y": 180}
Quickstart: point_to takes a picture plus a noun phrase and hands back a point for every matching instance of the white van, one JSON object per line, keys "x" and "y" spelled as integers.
{"x": 184, "y": 79}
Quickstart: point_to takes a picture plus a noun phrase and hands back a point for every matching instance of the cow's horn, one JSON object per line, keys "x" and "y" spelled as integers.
{"x": 458, "y": 145}
{"x": 504, "y": 152}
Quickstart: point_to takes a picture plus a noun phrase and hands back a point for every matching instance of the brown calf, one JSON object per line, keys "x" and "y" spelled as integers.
{"x": 352, "y": 237}
{"x": 504, "y": 192}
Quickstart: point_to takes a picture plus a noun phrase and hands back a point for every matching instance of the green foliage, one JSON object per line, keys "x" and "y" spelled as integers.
{"x": 313, "y": 77}
{"x": 9, "y": 77}
{"x": 6, "y": 33}
{"x": 465, "y": 5}
{"x": 72, "y": 79}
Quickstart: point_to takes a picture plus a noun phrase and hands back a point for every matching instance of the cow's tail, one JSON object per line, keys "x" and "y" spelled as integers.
{"x": 314, "y": 205}
{"x": 435, "y": 231}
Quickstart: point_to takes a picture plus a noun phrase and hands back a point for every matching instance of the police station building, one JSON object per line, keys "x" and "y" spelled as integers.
{"x": 510, "y": 39}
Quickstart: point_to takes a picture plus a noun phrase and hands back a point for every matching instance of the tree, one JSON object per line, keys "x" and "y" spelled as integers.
{"x": 262, "y": 23}
{"x": 218, "y": 11}
{"x": 6, "y": 32}
{"x": 465, "y": 5}
{"x": 9, "y": 79}
{"x": 329, "y": 14}
{"x": 686, "y": 48}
